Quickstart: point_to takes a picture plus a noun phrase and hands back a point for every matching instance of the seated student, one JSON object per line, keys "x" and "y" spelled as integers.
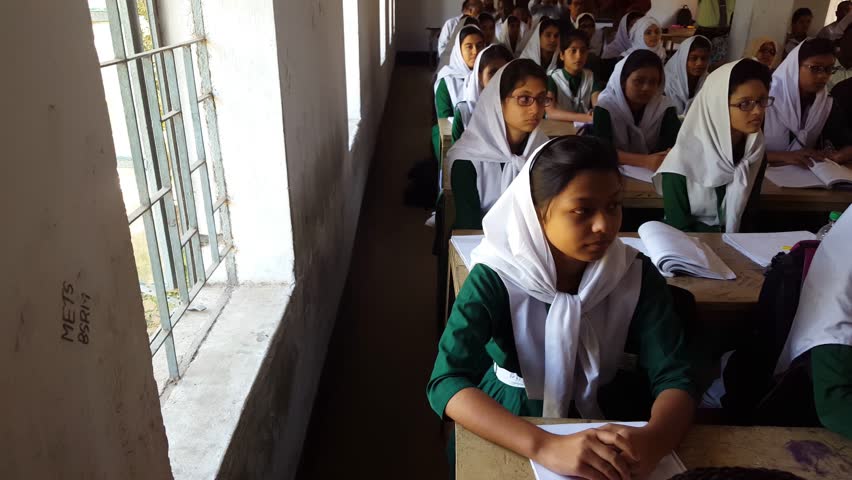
{"x": 633, "y": 113}
{"x": 686, "y": 71}
{"x": 546, "y": 315}
{"x": 575, "y": 10}
{"x": 647, "y": 35}
{"x": 835, "y": 29}
{"x": 799, "y": 26}
{"x": 573, "y": 86}
{"x": 444, "y": 59}
{"x": 764, "y": 50}
{"x": 804, "y": 119}
{"x": 542, "y": 45}
{"x": 487, "y": 25}
{"x": 450, "y": 80}
{"x": 843, "y": 65}
{"x": 708, "y": 176}
{"x": 545, "y": 8}
{"x": 509, "y": 34}
{"x": 621, "y": 43}
{"x": 842, "y": 96}
{"x": 502, "y": 133}
{"x": 587, "y": 24}
{"x": 488, "y": 61}
{"x": 523, "y": 13}
{"x": 470, "y": 8}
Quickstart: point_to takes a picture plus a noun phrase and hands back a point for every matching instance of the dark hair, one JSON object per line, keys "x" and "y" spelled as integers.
{"x": 518, "y": 71}
{"x": 468, "y": 31}
{"x": 748, "y": 69}
{"x": 496, "y": 52}
{"x": 735, "y": 473}
{"x": 633, "y": 16}
{"x": 547, "y": 22}
{"x": 512, "y": 19}
{"x": 486, "y": 17}
{"x": 814, "y": 47}
{"x": 587, "y": 18}
{"x": 561, "y": 159}
{"x": 566, "y": 38}
{"x": 468, "y": 20}
{"x": 700, "y": 43}
{"x": 640, "y": 59}
{"x": 801, "y": 12}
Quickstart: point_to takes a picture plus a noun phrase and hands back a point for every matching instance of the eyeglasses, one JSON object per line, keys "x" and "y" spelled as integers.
{"x": 817, "y": 69}
{"x": 527, "y": 100}
{"x": 770, "y": 51}
{"x": 748, "y": 105}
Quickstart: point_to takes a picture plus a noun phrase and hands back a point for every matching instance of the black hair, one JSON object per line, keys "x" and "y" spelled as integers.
{"x": 519, "y": 71}
{"x": 468, "y": 20}
{"x": 640, "y": 59}
{"x": 748, "y": 69}
{"x": 465, "y": 4}
{"x": 844, "y": 3}
{"x": 496, "y": 52}
{"x": 468, "y": 31}
{"x": 700, "y": 43}
{"x": 567, "y": 38}
{"x": 547, "y": 22}
{"x": 586, "y": 18}
{"x": 486, "y": 17}
{"x": 735, "y": 473}
{"x": 801, "y": 12}
{"x": 814, "y": 47}
{"x": 633, "y": 16}
{"x": 512, "y": 19}
{"x": 561, "y": 159}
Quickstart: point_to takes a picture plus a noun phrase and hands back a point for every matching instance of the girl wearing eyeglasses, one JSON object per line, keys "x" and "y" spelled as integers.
{"x": 502, "y": 133}
{"x": 707, "y": 178}
{"x": 764, "y": 50}
{"x": 558, "y": 318}
{"x": 634, "y": 115}
{"x": 805, "y": 125}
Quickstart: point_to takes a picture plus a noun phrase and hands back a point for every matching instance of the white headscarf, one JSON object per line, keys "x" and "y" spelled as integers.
{"x": 628, "y": 136}
{"x": 456, "y": 72}
{"x": 704, "y": 155}
{"x": 472, "y": 87}
{"x": 824, "y": 315}
{"x": 531, "y": 48}
{"x": 785, "y": 116}
{"x": 677, "y": 79}
{"x": 579, "y": 101}
{"x": 484, "y": 143}
{"x": 567, "y": 352}
{"x": 502, "y": 33}
{"x": 596, "y": 42}
{"x": 621, "y": 42}
{"x": 637, "y": 37}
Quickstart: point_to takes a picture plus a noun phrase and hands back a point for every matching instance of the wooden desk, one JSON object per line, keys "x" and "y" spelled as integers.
{"x": 555, "y": 128}
{"x": 638, "y": 194}
{"x": 704, "y": 446}
{"x": 737, "y": 295}
{"x": 446, "y": 128}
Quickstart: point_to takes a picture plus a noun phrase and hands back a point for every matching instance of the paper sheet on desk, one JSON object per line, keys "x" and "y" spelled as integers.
{"x": 760, "y": 248}
{"x": 464, "y": 245}
{"x": 639, "y": 173}
{"x": 669, "y": 466}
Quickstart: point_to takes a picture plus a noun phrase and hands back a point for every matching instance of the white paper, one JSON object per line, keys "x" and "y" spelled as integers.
{"x": 669, "y": 466}
{"x": 639, "y": 173}
{"x": 636, "y": 243}
{"x": 791, "y": 176}
{"x": 760, "y": 248}
{"x": 464, "y": 246}
{"x": 831, "y": 173}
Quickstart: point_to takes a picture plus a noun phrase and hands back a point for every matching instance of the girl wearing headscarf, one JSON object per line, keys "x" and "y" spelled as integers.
{"x": 764, "y": 50}
{"x": 633, "y": 113}
{"x": 804, "y": 120}
{"x": 509, "y": 32}
{"x": 686, "y": 71}
{"x": 586, "y": 23}
{"x": 502, "y": 133}
{"x": 488, "y": 62}
{"x": 450, "y": 80}
{"x": 707, "y": 178}
{"x": 553, "y": 304}
{"x": 621, "y": 43}
{"x": 541, "y": 44}
{"x": 647, "y": 34}
{"x": 573, "y": 86}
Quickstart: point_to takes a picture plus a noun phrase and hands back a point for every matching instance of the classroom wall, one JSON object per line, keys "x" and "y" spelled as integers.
{"x": 757, "y": 18}
{"x": 666, "y": 10}
{"x": 73, "y": 406}
{"x": 820, "y": 9}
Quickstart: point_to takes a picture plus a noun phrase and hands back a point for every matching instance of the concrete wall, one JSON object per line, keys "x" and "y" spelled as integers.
{"x": 85, "y": 407}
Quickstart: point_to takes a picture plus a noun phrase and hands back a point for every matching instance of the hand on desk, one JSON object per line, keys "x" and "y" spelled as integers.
{"x": 643, "y": 446}
{"x": 654, "y": 160}
{"x": 801, "y": 158}
{"x": 594, "y": 454}
{"x": 842, "y": 156}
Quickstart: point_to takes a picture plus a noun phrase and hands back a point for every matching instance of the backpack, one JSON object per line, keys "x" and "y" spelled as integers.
{"x": 684, "y": 17}
{"x": 753, "y": 392}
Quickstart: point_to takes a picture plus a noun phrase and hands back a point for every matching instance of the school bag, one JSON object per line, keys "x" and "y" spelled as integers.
{"x": 754, "y": 395}
{"x": 684, "y": 17}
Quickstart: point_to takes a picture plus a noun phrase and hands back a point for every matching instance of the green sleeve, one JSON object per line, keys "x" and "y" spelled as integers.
{"x": 462, "y": 356}
{"x": 466, "y": 196}
{"x": 662, "y": 346}
{"x": 598, "y": 86}
{"x": 836, "y": 128}
{"x": 669, "y": 129}
{"x": 678, "y": 212}
{"x": 552, "y": 88}
{"x": 831, "y": 369}
{"x": 458, "y": 125}
{"x": 443, "y": 102}
{"x": 602, "y": 124}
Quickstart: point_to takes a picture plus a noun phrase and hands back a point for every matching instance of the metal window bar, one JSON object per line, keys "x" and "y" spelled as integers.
{"x": 150, "y": 93}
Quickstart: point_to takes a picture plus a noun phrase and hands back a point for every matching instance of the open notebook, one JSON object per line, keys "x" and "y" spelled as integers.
{"x": 824, "y": 174}
{"x": 639, "y": 173}
{"x": 673, "y": 251}
{"x": 760, "y": 248}
{"x": 668, "y": 467}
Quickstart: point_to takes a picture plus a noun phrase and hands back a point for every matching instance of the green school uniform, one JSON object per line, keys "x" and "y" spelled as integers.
{"x": 444, "y": 109}
{"x": 831, "y": 371}
{"x": 479, "y": 334}
{"x": 466, "y": 196}
{"x": 573, "y": 81}
{"x": 669, "y": 127}
{"x": 677, "y": 209}
{"x": 458, "y": 124}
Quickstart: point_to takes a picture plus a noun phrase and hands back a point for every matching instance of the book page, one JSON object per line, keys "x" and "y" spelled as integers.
{"x": 663, "y": 240}
{"x": 760, "y": 248}
{"x": 669, "y": 466}
{"x": 639, "y": 173}
{"x": 791, "y": 176}
{"x": 831, "y": 173}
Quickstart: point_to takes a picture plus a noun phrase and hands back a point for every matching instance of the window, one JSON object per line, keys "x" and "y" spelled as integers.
{"x": 383, "y": 30}
{"x": 165, "y": 132}
{"x": 352, "y": 54}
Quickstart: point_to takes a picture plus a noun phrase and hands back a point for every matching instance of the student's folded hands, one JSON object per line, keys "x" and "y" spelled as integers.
{"x": 595, "y": 454}
{"x": 642, "y": 445}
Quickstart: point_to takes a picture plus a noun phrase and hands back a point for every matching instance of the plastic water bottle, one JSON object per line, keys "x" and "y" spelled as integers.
{"x": 832, "y": 217}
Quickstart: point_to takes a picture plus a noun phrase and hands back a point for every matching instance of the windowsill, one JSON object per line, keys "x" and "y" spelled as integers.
{"x": 354, "y": 125}
{"x": 203, "y": 409}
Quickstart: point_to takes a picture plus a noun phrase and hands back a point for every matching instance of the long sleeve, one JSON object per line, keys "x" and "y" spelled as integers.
{"x": 669, "y": 128}
{"x": 602, "y": 124}
{"x": 466, "y": 196}
{"x": 836, "y": 129}
{"x": 444, "y": 37}
{"x": 831, "y": 369}
{"x": 678, "y": 212}
{"x": 458, "y": 125}
{"x": 443, "y": 102}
